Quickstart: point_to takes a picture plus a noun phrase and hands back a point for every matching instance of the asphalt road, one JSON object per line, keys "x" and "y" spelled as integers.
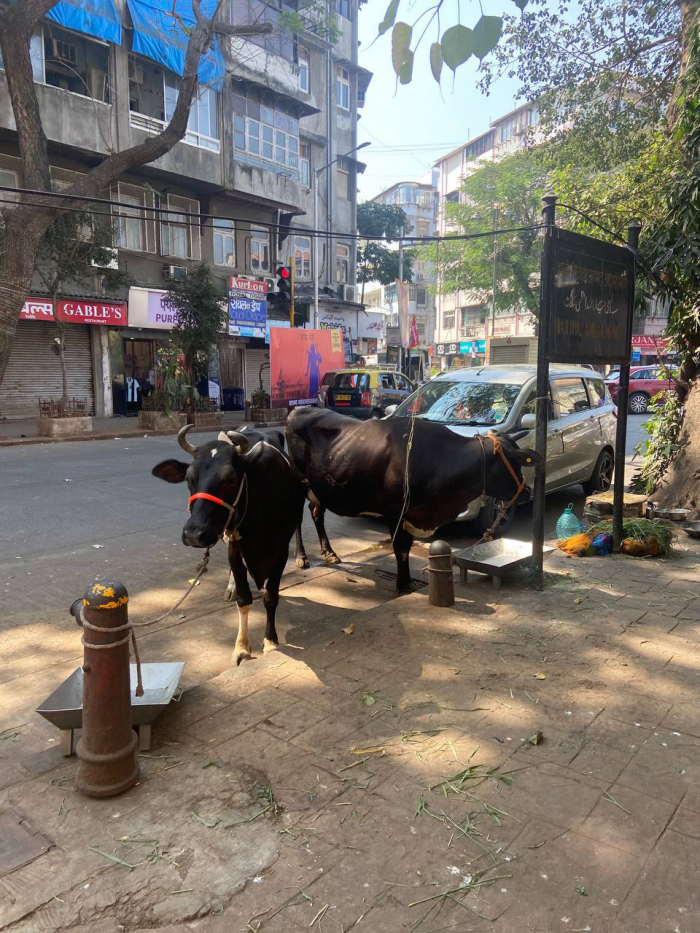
{"x": 76, "y": 512}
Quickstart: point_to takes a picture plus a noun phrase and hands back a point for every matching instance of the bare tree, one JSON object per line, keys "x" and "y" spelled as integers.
{"x": 24, "y": 225}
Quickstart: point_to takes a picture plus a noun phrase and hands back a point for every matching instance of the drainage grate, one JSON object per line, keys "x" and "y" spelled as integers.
{"x": 388, "y": 575}
{"x": 20, "y": 843}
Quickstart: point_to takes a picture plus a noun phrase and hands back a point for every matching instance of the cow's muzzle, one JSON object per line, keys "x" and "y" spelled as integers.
{"x": 199, "y": 536}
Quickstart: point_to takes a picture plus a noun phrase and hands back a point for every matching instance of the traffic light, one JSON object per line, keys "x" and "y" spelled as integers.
{"x": 285, "y": 299}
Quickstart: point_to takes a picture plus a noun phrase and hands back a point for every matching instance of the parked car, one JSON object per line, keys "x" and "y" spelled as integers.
{"x": 323, "y": 388}
{"x": 645, "y": 383}
{"x": 498, "y": 399}
{"x": 366, "y": 393}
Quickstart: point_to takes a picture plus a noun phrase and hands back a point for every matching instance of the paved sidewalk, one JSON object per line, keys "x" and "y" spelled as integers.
{"x": 522, "y": 763}
{"x": 25, "y": 432}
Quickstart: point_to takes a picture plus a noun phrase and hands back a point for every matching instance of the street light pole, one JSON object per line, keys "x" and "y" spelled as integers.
{"x": 495, "y": 273}
{"x": 317, "y": 173}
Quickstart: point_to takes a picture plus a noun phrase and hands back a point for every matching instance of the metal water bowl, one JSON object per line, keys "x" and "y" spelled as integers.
{"x": 64, "y": 708}
{"x": 495, "y": 558}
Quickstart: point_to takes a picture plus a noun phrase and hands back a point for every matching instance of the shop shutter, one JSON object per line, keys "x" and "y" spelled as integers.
{"x": 34, "y": 370}
{"x": 254, "y": 359}
{"x": 509, "y": 353}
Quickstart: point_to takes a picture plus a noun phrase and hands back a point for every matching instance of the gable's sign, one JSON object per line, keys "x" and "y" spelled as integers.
{"x": 592, "y": 296}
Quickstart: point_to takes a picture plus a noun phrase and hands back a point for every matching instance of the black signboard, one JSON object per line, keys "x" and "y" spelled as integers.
{"x": 392, "y": 356}
{"x": 591, "y": 300}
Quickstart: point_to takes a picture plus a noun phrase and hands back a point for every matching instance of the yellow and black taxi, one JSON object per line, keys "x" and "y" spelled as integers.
{"x": 366, "y": 392}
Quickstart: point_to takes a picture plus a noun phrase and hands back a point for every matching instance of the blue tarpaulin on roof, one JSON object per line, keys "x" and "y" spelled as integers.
{"x": 158, "y": 34}
{"x": 97, "y": 18}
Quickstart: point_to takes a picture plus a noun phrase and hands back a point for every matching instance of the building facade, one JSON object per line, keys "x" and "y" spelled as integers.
{"x": 419, "y": 201}
{"x": 271, "y": 111}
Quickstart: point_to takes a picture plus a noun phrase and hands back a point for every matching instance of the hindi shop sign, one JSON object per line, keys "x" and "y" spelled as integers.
{"x": 591, "y": 294}
{"x": 37, "y": 309}
{"x": 247, "y": 307}
{"x": 77, "y": 311}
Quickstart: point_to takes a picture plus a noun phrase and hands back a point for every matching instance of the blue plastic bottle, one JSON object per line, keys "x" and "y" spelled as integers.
{"x": 567, "y": 524}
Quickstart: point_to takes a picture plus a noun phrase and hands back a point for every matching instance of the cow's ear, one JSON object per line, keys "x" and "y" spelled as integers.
{"x": 524, "y": 456}
{"x": 172, "y": 471}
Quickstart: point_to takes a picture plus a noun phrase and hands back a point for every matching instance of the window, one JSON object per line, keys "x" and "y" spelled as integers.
{"x": 386, "y": 381}
{"x": 342, "y": 88}
{"x": 507, "y": 130}
{"x": 180, "y": 231}
{"x": 479, "y": 146}
{"x": 452, "y": 197}
{"x": 245, "y": 12}
{"x": 359, "y": 381}
{"x": 424, "y": 198}
{"x": 203, "y": 122}
{"x": 419, "y": 267}
{"x": 571, "y": 397}
{"x": 259, "y": 250}
{"x": 596, "y": 390}
{"x": 11, "y": 179}
{"x": 421, "y": 296}
{"x": 532, "y": 117}
{"x": 36, "y": 52}
{"x": 342, "y": 263}
{"x": 305, "y": 163}
{"x": 475, "y": 403}
{"x": 343, "y": 178}
{"x": 448, "y": 320}
{"x": 304, "y": 73}
{"x": 302, "y": 257}
{"x": 266, "y": 134}
{"x": 422, "y": 228}
{"x": 407, "y": 194}
{"x": 403, "y": 383}
{"x": 343, "y": 8}
{"x": 224, "y": 242}
{"x": 134, "y": 225}
{"x": 72, "y": 62}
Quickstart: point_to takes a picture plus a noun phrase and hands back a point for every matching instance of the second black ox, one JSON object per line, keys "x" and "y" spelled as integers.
{"x": 360, "y": 468}
{"x": 249, "y": 494}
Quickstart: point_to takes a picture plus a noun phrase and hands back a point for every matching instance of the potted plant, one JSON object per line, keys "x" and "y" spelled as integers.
{"x": 201, "y": 311}
{"x": 260, "y": 411}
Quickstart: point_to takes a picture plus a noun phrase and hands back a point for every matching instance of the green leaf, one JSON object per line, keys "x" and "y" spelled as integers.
{"x": 486, "y": 34}
{"x": 406, "y": 70}
{"x": 389, "y": 17}
{"x": 368, "y": 699}
{"x": 456, "y": 46}
{"x": 400, "y": 41}
{"x": 436, "y": 60}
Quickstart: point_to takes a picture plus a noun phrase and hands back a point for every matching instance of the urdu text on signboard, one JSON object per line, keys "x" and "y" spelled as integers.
{"x": 592, "y": 296}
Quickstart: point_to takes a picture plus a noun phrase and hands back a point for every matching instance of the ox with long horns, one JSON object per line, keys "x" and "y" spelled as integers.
{"x": 250, "y": 495}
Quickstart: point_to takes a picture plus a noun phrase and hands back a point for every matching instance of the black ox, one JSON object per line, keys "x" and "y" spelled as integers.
{"x": 359, "y": 468}
{"x": 242, "y": 488}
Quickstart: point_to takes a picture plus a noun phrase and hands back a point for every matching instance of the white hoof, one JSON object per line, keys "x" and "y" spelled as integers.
{"x": 269, "y": 645}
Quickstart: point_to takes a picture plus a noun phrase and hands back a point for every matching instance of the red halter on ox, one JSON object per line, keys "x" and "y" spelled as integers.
{"x": 225, "y": 505}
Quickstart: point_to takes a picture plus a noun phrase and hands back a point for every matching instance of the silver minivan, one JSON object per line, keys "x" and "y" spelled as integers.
{"x": 499, "y": 399}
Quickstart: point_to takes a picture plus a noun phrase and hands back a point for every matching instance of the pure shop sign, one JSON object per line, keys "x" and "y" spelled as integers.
{"x": 591, "y": 299}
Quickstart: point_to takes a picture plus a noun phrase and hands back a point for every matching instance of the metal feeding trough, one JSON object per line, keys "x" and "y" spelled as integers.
{"x": 64, "y": 708}
{"x": 495, "y": 558}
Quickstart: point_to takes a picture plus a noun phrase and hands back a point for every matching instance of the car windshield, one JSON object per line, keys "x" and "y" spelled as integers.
{"x": 473, "y": 403}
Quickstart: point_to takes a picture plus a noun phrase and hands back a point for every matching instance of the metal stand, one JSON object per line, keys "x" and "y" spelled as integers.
{"x": 621, "y": 432}
{"x": 441, "y": 586}
{"x": 542, "y": 410}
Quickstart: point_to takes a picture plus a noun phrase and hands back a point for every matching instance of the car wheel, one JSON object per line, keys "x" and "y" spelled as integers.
{"x": 602, "y": 477}
{"x": 487, "y": 516}
{"x": 376, "y": 415}
{"x": 638, "y": 403}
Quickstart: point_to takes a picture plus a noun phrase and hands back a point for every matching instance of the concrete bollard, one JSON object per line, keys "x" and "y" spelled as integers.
{"x": 107, "y": 746}
{"x": 441, "y": 587}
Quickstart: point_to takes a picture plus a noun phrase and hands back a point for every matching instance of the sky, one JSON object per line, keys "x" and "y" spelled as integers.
{"x": 410, "y": 127}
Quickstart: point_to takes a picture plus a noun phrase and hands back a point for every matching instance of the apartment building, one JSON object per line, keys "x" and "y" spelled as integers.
{"x": 419, "y": 201}
{"x": 271, "y": 111}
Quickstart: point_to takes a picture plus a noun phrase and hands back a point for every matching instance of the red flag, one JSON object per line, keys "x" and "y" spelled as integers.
{"x": 413, "y": 340}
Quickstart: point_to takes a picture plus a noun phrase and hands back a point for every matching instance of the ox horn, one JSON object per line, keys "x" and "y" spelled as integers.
{"x": 239, "y": 440}
{"x": 183, "y": 442}
{"x": 224, "y": 438}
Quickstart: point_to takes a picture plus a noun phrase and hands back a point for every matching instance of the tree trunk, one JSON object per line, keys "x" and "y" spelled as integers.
{"x": 680, "y": 487}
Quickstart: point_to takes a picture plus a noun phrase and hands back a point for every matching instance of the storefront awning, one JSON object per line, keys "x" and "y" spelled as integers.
{"x": 160, "y": 36}
{"x": 98, "y": 18}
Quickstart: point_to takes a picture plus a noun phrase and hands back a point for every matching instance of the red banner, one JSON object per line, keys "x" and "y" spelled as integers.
{"x": 37, "y": 309}
{"x": 88, "y": 311}
{"x": 238, "y": 284}
{"x": 648, "y": 342}
{"x": 299, "y": 359}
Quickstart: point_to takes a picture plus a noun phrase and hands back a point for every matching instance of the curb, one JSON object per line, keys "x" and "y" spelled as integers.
{"x": 21, "y": 441}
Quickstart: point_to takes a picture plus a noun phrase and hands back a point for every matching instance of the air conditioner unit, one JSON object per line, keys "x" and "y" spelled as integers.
{"x": 64, "y": 51}
{"x": 348, "y": 292}
{"x": 270, "y": 282}
{"x": 174, "y": 273}
{"x": 421, "y": 275}
{"x": 112, "y": 261}
{"x": 135, "y": 71}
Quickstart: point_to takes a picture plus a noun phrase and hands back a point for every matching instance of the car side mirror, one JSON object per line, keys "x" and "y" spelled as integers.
{"x": 528, "y": 422}
{"x": 389, "y": 410}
